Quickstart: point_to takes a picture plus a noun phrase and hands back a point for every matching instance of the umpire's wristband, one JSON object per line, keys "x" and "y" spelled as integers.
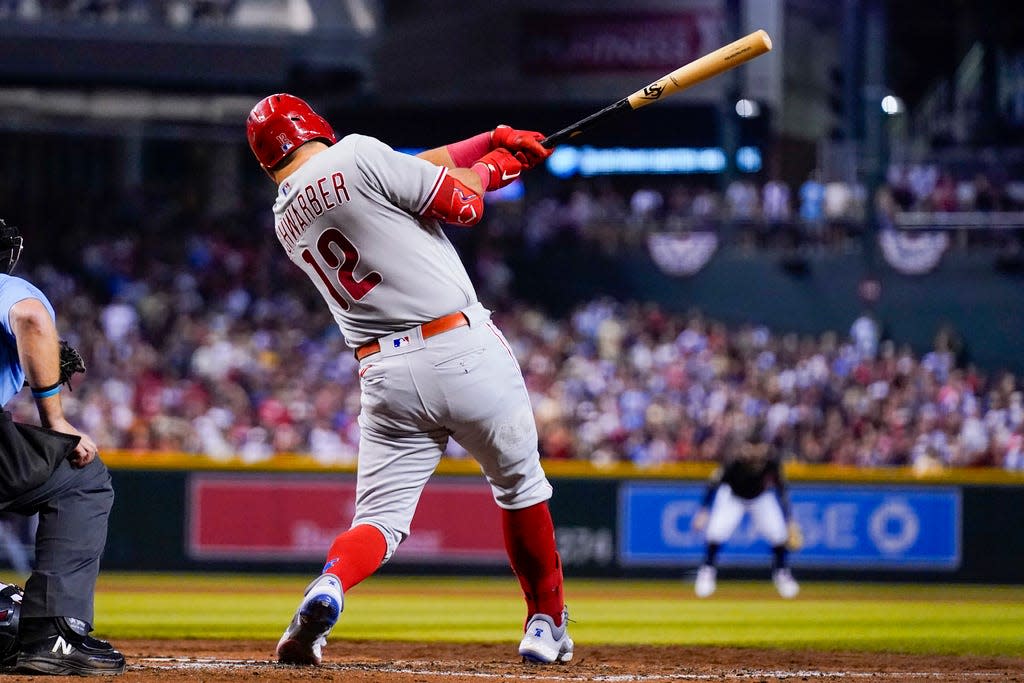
{"x": 46, "y": 392}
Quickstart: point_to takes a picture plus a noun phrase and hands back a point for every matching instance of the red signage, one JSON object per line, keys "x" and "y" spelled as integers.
{"x": 281, "y": 517}
{"x": 562, "y": 41}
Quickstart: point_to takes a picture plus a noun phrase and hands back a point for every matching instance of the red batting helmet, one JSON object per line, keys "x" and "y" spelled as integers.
{"x": 280, "y": 123}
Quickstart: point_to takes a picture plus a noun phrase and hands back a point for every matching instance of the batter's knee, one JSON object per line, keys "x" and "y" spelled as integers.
{"x": 523, "y": 490}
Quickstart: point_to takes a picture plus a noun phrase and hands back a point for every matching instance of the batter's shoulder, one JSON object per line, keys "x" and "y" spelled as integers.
{"x": 365, "y": 149}
{"x": 359, "y": 141}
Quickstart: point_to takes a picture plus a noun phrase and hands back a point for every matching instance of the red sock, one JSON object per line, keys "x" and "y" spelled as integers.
{"x": 530, "y": 543}
{"x": 356, "y": 554}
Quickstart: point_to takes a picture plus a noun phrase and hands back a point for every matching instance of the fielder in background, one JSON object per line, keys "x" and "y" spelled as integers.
{"x": 364, "y": 223}
{"x": 750, "y": 481}
{"x": 55, "y": 471}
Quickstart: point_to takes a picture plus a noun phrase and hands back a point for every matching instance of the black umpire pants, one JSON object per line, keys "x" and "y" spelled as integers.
{"x": 73, "y": 506}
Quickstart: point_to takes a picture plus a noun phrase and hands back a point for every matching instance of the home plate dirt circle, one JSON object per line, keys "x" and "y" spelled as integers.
{"x": 379, "y": 661}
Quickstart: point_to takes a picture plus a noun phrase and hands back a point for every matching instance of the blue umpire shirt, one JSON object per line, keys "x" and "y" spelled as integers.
{"x": 12, "y": 290}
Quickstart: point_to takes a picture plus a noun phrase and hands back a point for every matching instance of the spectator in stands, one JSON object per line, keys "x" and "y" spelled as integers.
{"x": 944, "y": 197}
{"x": 775, "y": 206}
{"x": 866, "y": 334}
{"x": 812, "y": 204}
{"x": 741, "y": 200}
{"x": 985, "y": 197}
{"x": 921, "y": 179}
{"x": 645, "y": 206}
{"x": 1014, "y": 458}
{"x": 705, "y": 208}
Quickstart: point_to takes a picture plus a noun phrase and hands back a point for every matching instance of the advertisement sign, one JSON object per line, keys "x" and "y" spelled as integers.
{"x": 585, "y": 532}
{"x": 567, "y": 160}
{"x": 866, "y": 527}
{"x": 581, "y": 42}
{"x": 283, "y": 517}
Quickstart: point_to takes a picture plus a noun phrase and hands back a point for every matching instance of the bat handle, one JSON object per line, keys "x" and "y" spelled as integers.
{"x": 583, "y": 124}
{"x": 560, "y": 137}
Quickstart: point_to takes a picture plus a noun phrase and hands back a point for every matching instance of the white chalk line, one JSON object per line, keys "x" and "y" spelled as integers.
{"x": 213, "y": 664}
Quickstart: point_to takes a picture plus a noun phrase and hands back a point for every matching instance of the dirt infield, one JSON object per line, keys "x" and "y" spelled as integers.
{"x": 375, "y": 662}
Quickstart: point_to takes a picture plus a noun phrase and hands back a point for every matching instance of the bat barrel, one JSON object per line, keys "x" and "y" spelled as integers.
{"x": 724, "y": 58}
{"x": 712, "y": 64}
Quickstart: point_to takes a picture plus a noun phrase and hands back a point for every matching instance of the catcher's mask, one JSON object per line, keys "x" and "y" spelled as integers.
{"x": 279, "y": 123}
{"x": 10, "y": 615}
{"x": 10, "y": 246}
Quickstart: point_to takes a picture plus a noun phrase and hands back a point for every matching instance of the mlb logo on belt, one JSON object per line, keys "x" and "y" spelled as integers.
{"x": 401, "y": 341}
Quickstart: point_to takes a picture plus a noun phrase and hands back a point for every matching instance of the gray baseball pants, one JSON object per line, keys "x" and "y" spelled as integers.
{"x": 73, "y": 506}
{"x": 417, "y": 393}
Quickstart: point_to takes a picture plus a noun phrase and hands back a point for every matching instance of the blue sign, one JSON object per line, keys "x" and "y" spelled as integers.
{"x": 567, "y": 161}
{"x": 883, "y": 527}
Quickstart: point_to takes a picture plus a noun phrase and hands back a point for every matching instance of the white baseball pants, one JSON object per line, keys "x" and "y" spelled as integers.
{"x": 727, "y": 511}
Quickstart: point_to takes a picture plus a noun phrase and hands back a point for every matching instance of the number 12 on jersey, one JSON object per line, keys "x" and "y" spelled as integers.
{"x": 340, "y": 257}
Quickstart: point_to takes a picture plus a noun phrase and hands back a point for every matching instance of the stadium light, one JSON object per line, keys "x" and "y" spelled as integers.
{"x": 748, "y": 109}
{"x": 892, "y": 105}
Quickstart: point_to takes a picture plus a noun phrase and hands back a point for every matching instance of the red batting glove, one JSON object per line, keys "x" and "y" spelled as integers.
{"x": 498, "y": 168}
{"x": 524, "y": 144}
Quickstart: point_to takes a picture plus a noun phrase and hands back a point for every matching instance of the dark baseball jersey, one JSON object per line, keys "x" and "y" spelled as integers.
{"x": 750, "y": 477}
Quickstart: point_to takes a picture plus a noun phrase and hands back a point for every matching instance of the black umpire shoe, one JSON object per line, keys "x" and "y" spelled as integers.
{"x": 64, "y": 651}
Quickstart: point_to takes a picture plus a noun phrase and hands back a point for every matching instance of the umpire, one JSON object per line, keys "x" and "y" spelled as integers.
{"x": 54, "y": 471}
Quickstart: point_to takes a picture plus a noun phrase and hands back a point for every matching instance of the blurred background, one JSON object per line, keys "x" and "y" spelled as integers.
{"x": 827, "y": 240}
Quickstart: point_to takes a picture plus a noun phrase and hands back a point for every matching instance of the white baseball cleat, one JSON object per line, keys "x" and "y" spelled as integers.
{"x": 304, "y": 639}
{"x": 706, "y": 581}
{"x": 545, "y": 643}
{"x": 785, "y": 583}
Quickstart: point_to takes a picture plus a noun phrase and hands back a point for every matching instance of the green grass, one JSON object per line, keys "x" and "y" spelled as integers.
{"x": 927, "y": 619}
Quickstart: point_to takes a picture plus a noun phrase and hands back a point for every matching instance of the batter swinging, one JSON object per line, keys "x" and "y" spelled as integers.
{"x": 363, "y": 222}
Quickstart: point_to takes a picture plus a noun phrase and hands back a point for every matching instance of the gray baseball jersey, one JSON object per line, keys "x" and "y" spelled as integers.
{"x": 350, "y": 218}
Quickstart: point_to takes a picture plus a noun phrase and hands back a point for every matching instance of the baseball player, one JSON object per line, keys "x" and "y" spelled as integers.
{"x": 750, "y": 481}
{"x": 55, "y": 471}
{"x": 364, "y": 223}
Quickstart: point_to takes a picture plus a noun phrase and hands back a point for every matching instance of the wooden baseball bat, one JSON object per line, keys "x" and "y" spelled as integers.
{"x": 721, "y": 60}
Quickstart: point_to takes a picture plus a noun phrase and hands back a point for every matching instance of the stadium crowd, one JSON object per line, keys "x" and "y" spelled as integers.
{"x": 206, "y": 339}
{"x": 817, "y": 213}
{"x": 213, "y": 344}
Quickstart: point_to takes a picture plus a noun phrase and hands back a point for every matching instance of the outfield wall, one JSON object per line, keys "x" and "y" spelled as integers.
{"x": 187, "y": 513}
